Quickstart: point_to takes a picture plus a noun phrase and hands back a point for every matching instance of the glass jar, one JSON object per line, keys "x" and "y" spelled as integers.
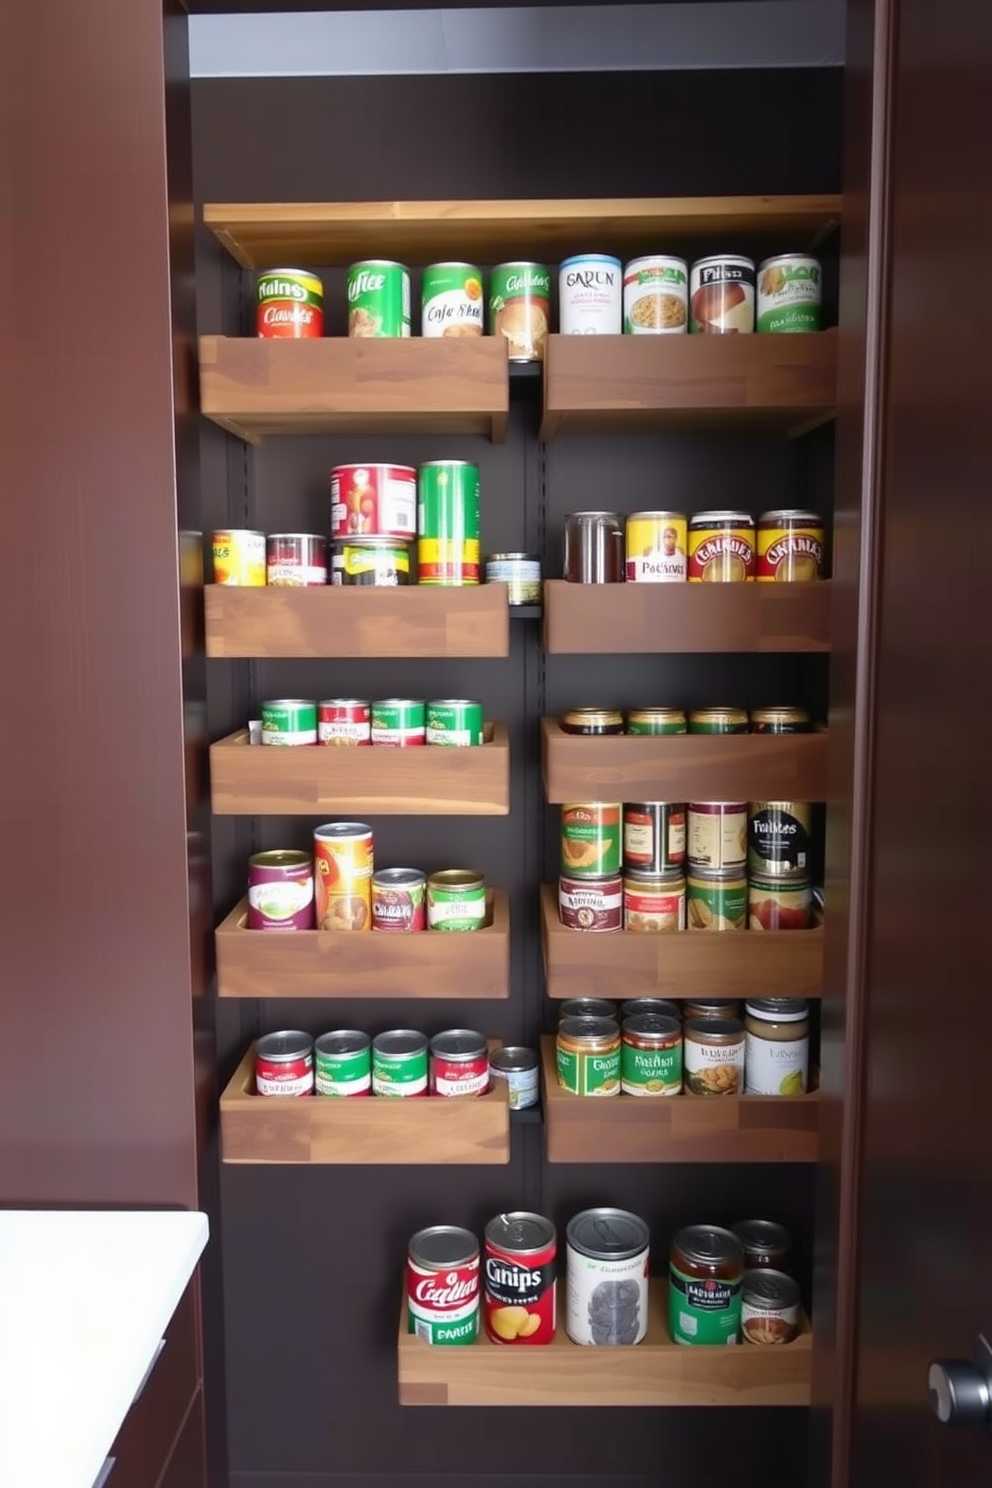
{"x": 588, "y": 1056}
{"x": 593, "y": 548}
{"x": 651, "y": 1055}
{"x": 705, "y": 1279}
{"x": 766, "y": 1245}
{"x": 714, "y": 1007}
{"x": 713, "y": 1056}
{"x": 777, "y": 1046}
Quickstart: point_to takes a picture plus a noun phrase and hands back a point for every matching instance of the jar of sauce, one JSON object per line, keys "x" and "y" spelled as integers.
{"x": 651, "y": 1055}
{"x": 776, "y": 1059}
{"x": 713, "y": 1007}
{"x": 588, "y": 1056}
{"x": 765, "y": 1243}
{"x": 593, "y": 548}
{"x": 592, "y": 721}
{"x": 705, "y": 1279}
{"x": 714, "y": 1056}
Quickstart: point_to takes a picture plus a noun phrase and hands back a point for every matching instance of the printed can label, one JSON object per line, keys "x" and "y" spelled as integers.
{"x": 654, "y": 906}
{"x": 519, "y": 1295}
{"x": 775, "y": 1068}
{"x": 656, "y": 297}
{"x": 718, "y": 834}
{"x": 373, "y": 501}
{"x": 520, "y": 308}
{"x": 289, "y": 723}
{"x": 703, "y": 1311}
{"x": 452, "y": 300}
{"x": 444, "y": 1305}
{"x": 590, "y": 295}
{"x": 721, "y": 296}
{"x": 346, "y": 1072}
{"x": 789, "y": 294}
{"x": 721, "y": 554}
{"x": 777, "y": 904}
{"x": 399, "y": 723}
{"x": 290, "y": 305}
{"x": 378, "y": 299}
{"x": 456, "y": 1077}
{"x": 239, "y": 558}
{"x": 400, "y": 1074}
{"x": 790, "y": 555}
{"x": 343, "y": 864}
{"x": 654, "y": 836}
{"x": 456, "y": 909}
{"x": 713, "y": 1069}
{"x": 280, "y": 898}
{"x": 651, "y": 1072}
{"x": 593, "y": 904}
{"x": 656, "y": 544}
{"x": 590, "y": 840}
{"x": 291, "y": 1077}
{"x": 454, "y": 723}
{"x": 716, "y": 903}
{"x": 343, "y": 722}
{"x": 606, "y": 1302}
{"x": 399, "y": 907}
{"x": 448, "y": 550}
{"x": 586, "y": 1073}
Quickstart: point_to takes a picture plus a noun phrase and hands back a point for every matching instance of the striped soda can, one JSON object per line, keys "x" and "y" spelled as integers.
{"x": 448, "y": 522}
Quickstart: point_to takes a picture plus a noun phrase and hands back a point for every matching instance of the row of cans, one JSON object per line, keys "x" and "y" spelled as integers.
{"x": 656, "y": 903}
{"x": 401, "y": 1062}
{"x": 396, "y": 723}
{"x": 665, "y": 547}
{"x": 773, "y": 838}
{"x": 721, "y": 720}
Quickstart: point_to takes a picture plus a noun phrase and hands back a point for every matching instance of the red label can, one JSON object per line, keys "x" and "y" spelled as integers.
{"x": 373, "y": 501}
{"x": 344, "y": 721}
{"x": 459, "y": 1063}
{"x": 290, "y": 304}
{"x": 284, "y": 1064}
{"x": 519, "y": 1279}
{"x": 399, "y": 900}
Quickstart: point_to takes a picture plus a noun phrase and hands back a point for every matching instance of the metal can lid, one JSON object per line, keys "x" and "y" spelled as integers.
{"x": 714, "y": 1030}
{"x": 399, "y": 1043}
{"x": 635, "y": 1006}
{"x": 288, "y": 703}
{"x": 763, "y": 1237}
{"x": 578, "y": 258}
{"x": 271, "y": 273}
{"x": 779, "y": 715}
{"x": 716, "y": 1007}
{"x": 787, "y": 515}
{"x": 513, "y": 558}
{"x": 280, "y": 857}
{"x": 397, "y": 702}
{"x": 767, "y": 1288}
{"x": 451, "y": 263}
{"x": 737, "y": 259}
{"x": 719, "y": 714}
{"x": 449, "y": 465}
{"x": 442, "y": 1246}
{"x": 583, "y": 1028}
{"x": 778, "y": 1009}
{"x": 520, "y": 1232}
{"x": 461, "y": 880}
{"x": 222, "y": 532}
{"x": 459, "y": 1043}
{"x": 454, "y": 703}
{"x": 342, "y": 829}
{"x": 284, "y": 1047}
{"x": 342, "y": 1041}
{"x": 657, "y": 516}
{"x": 593, "y": 516}
{"x": 722, "y": 519}
{"x": 375, "y": 544}
{"x": 398, "y": 877}
{"x": 608, "y": 1234}
{"x": 713, "y": 877}
{"x": 607, "y": 717}
{"x": 317, "y": 537}
{"x": 379, "y": 263}
{"x": 671, "y": 878}
{"x": 513, "y": 1060}
{"x": 708, "y": 1245}
{"x": 777, "y": 258}
{"x": 651, "y": 1025}
{"x": 656, "y": 715}
{"x": 587, "y": 1007}
{"x": 343, "y": 703}
{"x": 522, "y": 263}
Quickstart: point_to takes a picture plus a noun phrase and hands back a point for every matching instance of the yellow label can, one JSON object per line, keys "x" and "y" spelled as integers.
{"x": 656, "y": 544}
{"x": 239, "y": 558}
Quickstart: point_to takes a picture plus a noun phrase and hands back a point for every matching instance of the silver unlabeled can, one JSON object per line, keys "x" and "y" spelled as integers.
{"x": 519, "y": 1069}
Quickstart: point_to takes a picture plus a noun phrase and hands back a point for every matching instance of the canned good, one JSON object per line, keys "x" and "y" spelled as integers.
{"x": 719, "y": 721}
{"x": 705, "y": 1280}
{"x": 653, "y": 902}
{"x": 239, "y": 558}
{"x": 778, "y": 834}
{"x": 296, "y": 560}
{"x": 776, "y": 1049}
{"x": 399, "y": 900}
{"x": 284, "y": 1064}
{"x": 717, "y": 838}
{"x": 721, "y": 548}
{"x": 593, "y": 548}
{"x": 587, "y": 1007}
{"x": 790, "y": 547}
{"x": 459, "y": 1063}
{"x": 344, "y": 722}
{"x": 451, "y": 300}
{"x": 373, "y": 501}
{"x": 721, "y": 295}
{"x": 280, "y": 891}
{"x": 656, "y": 543}
{"x": 779, "y": 901}
{"x": 590, "y": 294}
{"x": 519, "y": 1069}
{"x": 717, "y": 900}
{"x": 378, "y": 299}
{"x": 591, "y": 903}
{"x": 713, "y": 1056}
{"x": 448, "y": 523}
{"x": 651, "y": 1055}
{"x": 592, "y": 721}
{"x": 399, "y": 1063}
{"x": 653, "y": 836}
{"x": 454, "y": 721}
{"x": 711, "y": 1007}
{"x": 765, "y": 1243}
{"x": 519, "y": 1287}
{"x": 343, "y": 861}
{"x": 769, "y": 1307}
{"x": 655, "y": 1006}
{"x": 456, "y": 900}
{"x": 376, "y": 562}
{"x": 656, "y": 721}
{"x": 656, "y": 296}
{"x": 520, "y": 572}
{"x": 290, "y": 305}
{"x": 443, "y": 1285}
{"x": 289, "y": 721}
{"x": 789, "y": 293}
{"x": 344, "y": 1063}
{"x": 587, "y": 1053}
{"x": 780, "y": 721}
{"x": 520, "y": 308}
{"x": 399, "y": 723}
{"x": 590, "y": 839}
{"x": 606, "y": 1289}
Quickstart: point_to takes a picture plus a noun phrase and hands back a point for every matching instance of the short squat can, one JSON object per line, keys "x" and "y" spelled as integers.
{"x": 587, "y": 1054}
{"x": 291, "y": 721}
{"x": 456, "y": 900}
{"x": 454, "y": 721}
{"x": 518, "y": 1069}
{"x": 520, "y": 572}
{"x": 399, "y": 723}
{"x": 373, "y": 501}
{"x": 651, "y": 1055}
{"x": 459, "y": 1063}
{"x": 399, "y": 1063}
{"x": 344, "y": 722}
{"x": 399, "y": 900}
{"x": 344, "y": 1063}
{"x": 716, "y": 900}
{"x": 653, "y": 903}
{"x": 284, "y": 1064}
{"x": 721, "y": 548}
{"x": 594, "y": 904}
{"x": 280, "y": 891}
{"x": 790, "y": 547}
{"x": 448, "y": 523}
{"x": 370, "y": 562}
{"x": 378, "y": 299}
{"x": 239, "y": 558}
{"x": 296, "y": 560}
{"x": 443, "y": 1285}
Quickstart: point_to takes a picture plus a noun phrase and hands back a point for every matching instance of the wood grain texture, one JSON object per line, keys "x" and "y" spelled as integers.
{"x": 732, "y": 963}
{"x": 656, "y": 1372}
{"x": 429, "y": 780}
{"x": 676, "y": 1128}
{"x": 315, "y": 963}
{"x": 669, "y": 619}
{"x": 631, "y": 383}
{"x": 373, "y": 1129}
{"x": 683, "y": 767}
{"x": 261, "y": 234}
{"x": 414, "y": 620}
{"x": 254, "y": 386}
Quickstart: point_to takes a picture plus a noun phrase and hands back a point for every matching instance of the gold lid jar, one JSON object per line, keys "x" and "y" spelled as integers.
{"x": 592, "y": 721}
{"x": 587, "y": 1053}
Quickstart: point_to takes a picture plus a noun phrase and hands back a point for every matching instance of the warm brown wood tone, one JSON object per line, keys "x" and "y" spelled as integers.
{"x": 376, "y": 1129}
{"x": 261, "y": 234}
{"x": 736, "y": 963}
{"x": 144, "y": 1443}
{"x": 418, "y": 620}
{"x": 615, "y": 619}
{"x": 655, "y": 1372}
{"x": 259, "y": 780}
{"x": 315, "y": 963}
{"x": 682, "y": 767}
{"x": 622, "y": 384}
{"x": 253, "y": 386}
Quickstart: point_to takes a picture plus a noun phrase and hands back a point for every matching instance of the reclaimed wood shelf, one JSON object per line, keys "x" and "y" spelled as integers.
{"x": 414, "y": 620}
{"x": 256, "y": 386}
{"x": 682, "y": 767}
{"x": 675, "y": 1128}
{"x": 316, "y": 780}
{"x": 259, "y": 235}
{"x": 687, "y": 963}
{"x": 676, "y": 619}
{"x": 655, "y": 1372}
{"x": 630, "y": 384}
{"x": 374, "y": 1129}
{"x": 318, "y": 963}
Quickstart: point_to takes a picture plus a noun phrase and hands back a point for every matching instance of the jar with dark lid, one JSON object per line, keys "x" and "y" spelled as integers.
{"x": 592, "y": 721}
{"x": 651, "y": 1055}
{"x": 587, "y": 1007}
{"x": 719, "y": 721}
{"x": 713, "y": 1056}
{"x": 780, "y": 721}
{"x": 588, "y": 1056}
{"x": 635, "y": 1006}
{"x": 711, "y": 1007}
{"x": 656, "y": 721}
{"x": 777, "y": 1045}
{"x": 766, "y": 1244}
{"x": 770, "y": 1311}
{"x": 706, "y": 1275}
{"x": 593, "y": 548}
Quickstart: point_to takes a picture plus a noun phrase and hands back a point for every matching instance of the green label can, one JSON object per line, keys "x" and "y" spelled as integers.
{"x": 789, "y": 293}
{"x": 378, "y": 299}
{"x": 289, "y": 721}
{"x": 448, "y": 522}
{"x": 399, "y": 1063}
{"x": 454, "y": 721}
{"x": 520, "y": 308}
{"x": 456, "y": 900}
{"x": 587, "y": 1054}
{"x": 651, "y": 1055}
{"x": 719, "y": 721}
{"x": 656, "y": 721}
{"x": 452, "y": 300}
{"x": 399, "y": 722}
{"x": 591, "y": 839}
{"x": 705, "y": 1283}
{"x": 343, "y": 1063}
{"x": 716, "y": 901}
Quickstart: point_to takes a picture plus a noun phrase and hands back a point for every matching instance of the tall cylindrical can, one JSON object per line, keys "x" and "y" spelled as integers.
{"x": 656, "y": 544}
{"x": 656, "y": 296}
{"x": 606, "y": 1292}
{"x": 448, "y": 522}
{"x": 519, "y": 1279}
{"x": 343, "y": 861}
{"x": 593, "y": 548}
{"x": 399, "y": 1063}
{"x": 454, "y": 721}
{"x": 344, "y": 1063}
{"x": 721, "y": 295}
{"x": 373, "y": 501}
{"x": 289, "y": 721}
{"x": 591, "y": 839}
{"x": 284, "y": 1064}
{"x": 520, "y": 308}
{"x": 239, "y": 558}
{"x": 290, "y": 304}
{"x": 443, "y": 1285}
{"x": 378, "y": 299}
{"x": 653, "y": 836}
{"x": 280, "y": 891}
{"x": 452, "y": 300}
{"x": 590, "y": 295}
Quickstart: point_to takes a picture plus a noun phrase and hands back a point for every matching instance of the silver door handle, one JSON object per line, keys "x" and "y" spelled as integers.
{"x": 961, "y": 1392}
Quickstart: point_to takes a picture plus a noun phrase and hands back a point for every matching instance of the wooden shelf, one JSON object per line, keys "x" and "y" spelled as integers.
{"x": 692, "y": 963}
{"x": 682, "y": 767}
{"x": 315, "y": 963}
{"x": 260, "y": 235}
{"x": 616, "y": 619}
{"x": 315, "y": 780}
{"x": 628, "y": 384}
{"x": 418, "y": 620}
{"x": 676, "y": 1128}
{"x": 374, "y": 1129}
{"x": 656, "y": 1372}
{"x": 253, "y": 386}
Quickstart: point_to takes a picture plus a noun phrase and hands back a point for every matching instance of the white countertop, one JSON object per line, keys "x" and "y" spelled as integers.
{"x": 85, "y": 1299}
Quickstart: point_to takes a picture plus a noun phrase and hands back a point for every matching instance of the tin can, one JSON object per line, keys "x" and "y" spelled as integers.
{"x": 399, "y": 900}
{"x": 343, "y": 862}
{"x": 717, "y": 834}
{"x": 376, "y": 562}
{"x": 443, "y": 1285}
{"x": 454, "y": 721}
{"x": 653, "y": 836}
{"x": 344, "y": 722}
{"x": 653, "y": 903}
{"x": 776, "y": 1046}
{"x": 280, "y": 891}
{"x": 656, "y": 721}
{"x": 290, "y": 304}
{"x": 520, "y": 572}
{"x": 780, "y": 721}
{"x": 459, "y": 1063}
{"x": 593, "y": 548}
{"x": 716, "y": 900}
{"x": 719, "y": 721}
{"x": 239, "y": 558}
{"x": 766, "y": 1245}
{"x": 790, "y": 547}
{"x": 656, "y": 543}
{"x": 289, "y": 721}
{"x": 456, "y": 900}
{"x": 284, "y": 1064}
{"x": 591, "y": 903}
{"x": 519, "y": 1069}
{"x": 721, "y": 548}
{"x": 452, "y": 300}
{"x": 769, "y": 1307}
{"x": 713, "y": 1056}
{"x": 399, "y": 1063}
{"x": 520, "y": 308}
{"x": 373, "y": 501}
{"x": 590, "y": 839}
{"x": 721, "y": 295}
{"x": 651, "y": 1055}
{"x": 400, "y": 723}
{"x": 705, "y": 1280}
{"x": 519, "y": 1279}
{"x": 606, "y": 1288}
{"x": 587, "y": 1055}
{"x": 789, "y": 293}
{"x": 378, "y": 299}
{"x": 590, "y": 295}
{"x": 344, "y": 1063}
{"x": 656, "y": 1006}
{"x": 592, "y": 722}
{"x": 779, "y": 837}
{"x": 296, "y": 560}
{"x": 588, "y": 1007}
{"x": 448, "y": 523}
{"x": 656, "y": 296}
{"x": 779, "y": 901}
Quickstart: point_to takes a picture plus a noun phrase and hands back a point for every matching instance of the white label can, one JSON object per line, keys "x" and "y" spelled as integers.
{"x": 590, "y": 295}
{"x": 656, "y": 296}
{"x": 606, "y": 1280}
